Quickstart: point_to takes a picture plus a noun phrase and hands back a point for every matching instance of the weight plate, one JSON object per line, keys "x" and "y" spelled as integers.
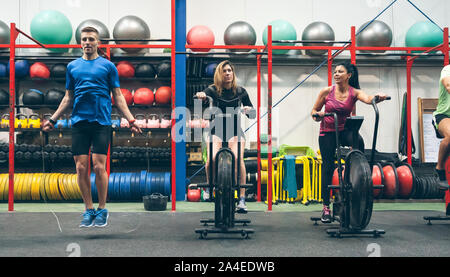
{"x": 35, "y": 188}
{"x": 133, "y": 186}
{"x": 53, "y": 184}
{"x": 63, "y": 188}
{"x": 42, "y": 187}
{"x": 117, "y": 186}
{"x": 111, "y": 185}
{"x": 26, "y": 187}
{"x": 359, "y": 176}
{"x": 18, "y": 188}
{"x": 122, "y": 186}
{"x": 153, "y": 183}
{"x": 142, "y": 182}
{"x": 29, "y": 188}
{"x": 76, "y": 187}
{"x": 2, "y": 186}
{"x": 148, "y": 184}
{"x": 167, "y": 188}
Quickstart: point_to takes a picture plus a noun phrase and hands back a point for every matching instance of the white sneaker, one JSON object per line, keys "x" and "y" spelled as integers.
{"x": 241, "y": 207}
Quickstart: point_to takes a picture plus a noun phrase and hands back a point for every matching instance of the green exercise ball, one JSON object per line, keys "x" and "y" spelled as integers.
{"x": 281, "y": 30}
{"x": 51, "y": 27}
{"x": 424, "y": 34}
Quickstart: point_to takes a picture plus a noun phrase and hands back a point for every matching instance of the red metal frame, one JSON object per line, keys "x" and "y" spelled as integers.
{"x": 269, "y": 117}
{"x": 173, "y": 144}
{"x": 258, "y": 114}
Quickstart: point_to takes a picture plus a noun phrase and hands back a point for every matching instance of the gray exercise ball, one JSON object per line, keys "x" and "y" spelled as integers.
{"x": 131, "y": 27}
{"x": 317, "y": 31}
{"x": 239, "y": 33}
{"x": 101, "y": 28}
{"x": 377, "y": 34}
{"x": 4, "y": 33}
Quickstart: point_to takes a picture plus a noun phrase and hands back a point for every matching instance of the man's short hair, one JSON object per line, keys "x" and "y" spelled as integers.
{"x": 89, "y": 29}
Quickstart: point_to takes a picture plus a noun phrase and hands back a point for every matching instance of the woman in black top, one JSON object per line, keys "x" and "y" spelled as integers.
{"x": 225, "y": 95}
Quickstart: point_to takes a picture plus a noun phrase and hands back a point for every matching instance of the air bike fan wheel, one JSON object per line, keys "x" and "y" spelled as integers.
{"x": 224, "y": 209}
{"x": 358, "y": 176}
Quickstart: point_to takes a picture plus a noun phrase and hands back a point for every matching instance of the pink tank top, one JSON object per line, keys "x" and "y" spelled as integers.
{"x": 343, "y": 110}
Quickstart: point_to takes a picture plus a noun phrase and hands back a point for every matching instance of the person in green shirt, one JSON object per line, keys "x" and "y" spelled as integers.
{"x": 442, "y": 123}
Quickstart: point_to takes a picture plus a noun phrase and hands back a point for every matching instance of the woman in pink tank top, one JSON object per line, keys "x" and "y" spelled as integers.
{"x": 340, "y": 99}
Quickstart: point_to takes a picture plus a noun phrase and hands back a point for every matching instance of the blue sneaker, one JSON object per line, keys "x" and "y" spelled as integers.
{"x": 88, "y": 218}
{"x": 101, "y": 218}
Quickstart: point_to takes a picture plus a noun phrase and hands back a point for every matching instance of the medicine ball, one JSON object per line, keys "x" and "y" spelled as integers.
{"x": 125, "y": 69}
{"x": 210, "y": 69}
{"x": 33, "y": 97}
{"x": 164, "y": 69}
{"x": 22, "y": 68}
{"x": 4, "y": 97}
{"x": 163, "y": 95}
{"x": 39, "y": 70}
{"x": 3, "y": 72}
{"x": 143, "y": 96}
{"x": 58, "y": 70}
{"x": 53, "y": 97}
{"x": 145, "y": 70}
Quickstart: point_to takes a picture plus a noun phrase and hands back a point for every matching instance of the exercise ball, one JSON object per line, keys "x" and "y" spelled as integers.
{"x": 377, "y": 34}
{"x": 423, "y": 34}
{"x": 200, "y": 34}
{"x": 146, "y": 70}
{"x": 125, "y": 69}
{"x": 39, "y": 70}
{"x": 163, "y": 95}
{"x": 165, "y": 69}
{"x": 3, "y": 72}
{"x": 131, "y": 27}
{"x": 143, "y": 96}
{"x": 33, "y": 97}
{"x": 4, "y": 33}
{"x": 53, "y": 97}
{"x": 281, "y": 30}
{"x": 210, "y": 69}
{"x": 22, "y": 67}
{"x": 58, "y": 70}
{"x": 4, "y": 97}
{"x": 51, "y": 27}
{"x": 103, "y": 31}
{"x": 317, "y": 31}
{"x": 239, "y": 33}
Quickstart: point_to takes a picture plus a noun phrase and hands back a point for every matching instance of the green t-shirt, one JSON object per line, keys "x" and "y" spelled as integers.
{"x": 443, "y": 106}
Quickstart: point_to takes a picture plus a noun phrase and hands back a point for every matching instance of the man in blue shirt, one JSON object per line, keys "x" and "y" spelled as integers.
{"x": 89, "y": 81}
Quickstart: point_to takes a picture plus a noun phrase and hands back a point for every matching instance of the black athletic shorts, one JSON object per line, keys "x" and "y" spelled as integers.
{"x": 86, "y": 134}
{"x": 438, "y": 118}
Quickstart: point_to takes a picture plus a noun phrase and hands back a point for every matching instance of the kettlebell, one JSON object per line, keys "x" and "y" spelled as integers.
{"x": 5, "y": 121}
{"x": 115, "y": 121}
{"x": 34, "y": 121}
{"x": 153, "y": 121}
{"x": 21, "y": 121}
{"x": 140, "y": 120}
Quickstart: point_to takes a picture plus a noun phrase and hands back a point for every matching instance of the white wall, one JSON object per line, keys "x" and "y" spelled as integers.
{"x": 292, "y": 124}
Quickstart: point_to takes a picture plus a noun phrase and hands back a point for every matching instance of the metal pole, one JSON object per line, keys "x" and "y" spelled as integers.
{"x": 269, "y": 117}
{"x": 258, "y": 111}
{"x": 12, "y": 100}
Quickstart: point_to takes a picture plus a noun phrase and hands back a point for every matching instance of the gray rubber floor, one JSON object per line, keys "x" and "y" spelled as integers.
{"x": 162, "y": 234}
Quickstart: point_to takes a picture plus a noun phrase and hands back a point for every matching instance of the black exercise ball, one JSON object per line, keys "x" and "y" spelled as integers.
{"x": 33, "y": 97}
{"x": 4, "y": 97}
{"x": 58, "y": 70}
{"x": 164, "y": 69}
{"x": 53, "y": 97}
{"x": 145, "y": 70}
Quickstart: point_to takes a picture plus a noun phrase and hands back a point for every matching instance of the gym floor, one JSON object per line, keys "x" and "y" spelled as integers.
{"x": 51, "y": 229}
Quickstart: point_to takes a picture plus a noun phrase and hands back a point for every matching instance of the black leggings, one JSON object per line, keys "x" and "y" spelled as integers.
{"x": 327, "y": 144}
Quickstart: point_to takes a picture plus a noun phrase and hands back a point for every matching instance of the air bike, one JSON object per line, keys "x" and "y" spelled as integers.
{"x": 353, "y": 203}
{"x": 226, "y": 181}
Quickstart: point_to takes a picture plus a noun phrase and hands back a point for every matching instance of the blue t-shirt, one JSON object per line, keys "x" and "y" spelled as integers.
{"x": 91, "y": 82}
